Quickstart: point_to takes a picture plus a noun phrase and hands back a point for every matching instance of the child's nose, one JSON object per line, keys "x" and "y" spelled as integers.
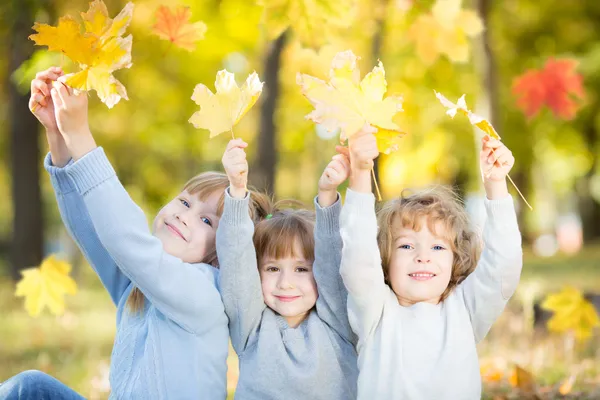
{"x": 423, "y": 259}
{"x": 283, "y": 282}
{"x": 182, "y": 218}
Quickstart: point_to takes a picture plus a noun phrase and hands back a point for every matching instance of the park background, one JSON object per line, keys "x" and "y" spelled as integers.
{"x": 155, "y": 150}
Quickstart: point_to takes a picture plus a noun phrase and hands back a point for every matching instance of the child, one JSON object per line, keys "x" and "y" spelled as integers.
{"x": 172, "y": 337}
{"x": 419, "y": 296}
{"x": 283, "y": 293}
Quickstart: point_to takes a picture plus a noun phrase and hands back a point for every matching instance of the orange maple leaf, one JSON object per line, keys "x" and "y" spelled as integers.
{"x": 176, "y": 28}
{"x": 557, "y": 85}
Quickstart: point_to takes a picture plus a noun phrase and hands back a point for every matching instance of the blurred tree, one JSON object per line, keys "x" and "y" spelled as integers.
{"x": 27, "y": 237}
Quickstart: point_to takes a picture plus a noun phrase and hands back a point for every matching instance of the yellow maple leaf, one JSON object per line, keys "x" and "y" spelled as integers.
{"x": 572, "y": 313}
{"x": 175, "y": 27}
{"x": 566, "y": 387}
{"x": 347, "y": 103}
{"x": 220, "y": 111}
{"x": 446, "y": 30}
{"x": 313, "y": 21}
{"x": 99, "y": 50}
{"x": 46, "y": 286}
{"x": 474, "y": 119}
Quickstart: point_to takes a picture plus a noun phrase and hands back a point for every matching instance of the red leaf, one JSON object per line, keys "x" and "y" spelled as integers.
{"x": 557, "y": 85}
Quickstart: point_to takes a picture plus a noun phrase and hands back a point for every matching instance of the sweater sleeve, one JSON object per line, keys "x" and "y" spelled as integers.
{"x": 185, "y": 293}
{"x": 487, "y": 290}
{"x": 240, "y": 284}
{"x": 361, "y": 263}
{"x": 77, "y": 221}
{"x": 333, "y": 296}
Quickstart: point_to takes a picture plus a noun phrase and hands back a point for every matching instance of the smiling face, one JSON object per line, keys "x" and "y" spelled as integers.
{"x": 421, "y": 263}
{"x": 288, "y": 285}
{"x": 187, "y": 226}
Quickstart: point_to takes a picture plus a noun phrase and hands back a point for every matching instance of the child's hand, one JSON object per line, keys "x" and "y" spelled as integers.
{"x": 336, "y": 172}
{"x": 40, "y": 102}
{"x": 363, "y": 150}
{"x": 236, "y": 167}
{"x": 71, "y": 112}
{"x": 495, "y": 160}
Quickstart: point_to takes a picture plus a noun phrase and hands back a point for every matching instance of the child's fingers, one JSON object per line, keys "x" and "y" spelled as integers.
{"x": 496, "y": 154}
{"x": 492, "y": 144}
{"x": 233, "y": 143}
{"x": 62, "y": 92}
{"x": 343, "y": 160}
{"x": 56, "y": 98}
{"x": 40, "y": 86}
{"x": 343, "y": 150}
{"x": 37, "y": 98}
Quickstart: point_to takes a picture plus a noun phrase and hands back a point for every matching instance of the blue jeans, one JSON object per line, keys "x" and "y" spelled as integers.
{"x": 30, "y": 385}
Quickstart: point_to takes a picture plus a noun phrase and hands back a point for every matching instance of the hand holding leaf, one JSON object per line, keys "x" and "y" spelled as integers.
{"x": 99, "y": 50}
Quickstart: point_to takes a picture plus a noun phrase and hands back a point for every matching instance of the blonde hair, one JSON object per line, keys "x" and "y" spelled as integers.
{"x": 275, "y": 234}
{"x": 203, "y": 185}
{"x": 436, "y": 204}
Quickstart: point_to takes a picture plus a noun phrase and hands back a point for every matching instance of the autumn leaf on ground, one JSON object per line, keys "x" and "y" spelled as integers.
{"x": 557, "y": 85}
{"x": 572, "y": 313}
{"x": 312, "y": 21}
{"x": 566, "y": 387}
{"x": 220, "y": 111}
{"x": 474, "y": 119}
{"x": 347, "y": 103}
{"x": 99, "y": 50}
{"x": 446, "y": 30}
{"x": 46, "y": 286}
{"x": 524, "y": 381}
{"x": 176, "y": 27}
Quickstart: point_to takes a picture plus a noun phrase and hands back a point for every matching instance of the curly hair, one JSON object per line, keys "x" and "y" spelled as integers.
{"x": 437, "y": 204}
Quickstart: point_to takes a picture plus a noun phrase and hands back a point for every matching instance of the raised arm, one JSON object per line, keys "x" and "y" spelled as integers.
{"x": 239, "y": 278}
{"x": 495, "y": 279}
{"x": 487, "y": 290}
{"x": 333, "y": 296}
{"x": 361, "y": 261}
{"x": 185, "y": 293}
{"x": 77, "y": 220}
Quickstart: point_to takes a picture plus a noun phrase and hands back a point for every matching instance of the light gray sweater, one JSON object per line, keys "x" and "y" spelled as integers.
{"x": 424, "y": 351}
{"x": 316, "y": 360}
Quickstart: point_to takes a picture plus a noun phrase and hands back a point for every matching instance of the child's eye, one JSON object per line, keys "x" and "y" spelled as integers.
{"x": 272, "y": 269}
{"x": 302, "y": 269}
{"x": 405, "y": 246}
{"x": 438, "y": 247}
{"x": 185, "y": 203}
{"x": 207, "y": 221}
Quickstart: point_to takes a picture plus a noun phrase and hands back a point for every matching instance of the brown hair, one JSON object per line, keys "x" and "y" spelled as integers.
{"x": 275, "y": 234}
{"x": 436, "y": 204}
{"x": 203, "y": 185}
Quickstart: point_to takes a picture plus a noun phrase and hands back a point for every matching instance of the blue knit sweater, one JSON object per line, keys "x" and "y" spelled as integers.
{"x": 176, "y": 347}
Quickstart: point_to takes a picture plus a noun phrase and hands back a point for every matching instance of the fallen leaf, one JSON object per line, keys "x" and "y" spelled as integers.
{"x": 46, "y": 286}
{"x": 220, "y": 111}
{"x": 175, "y": 27}
{"x": 572, "y": 312}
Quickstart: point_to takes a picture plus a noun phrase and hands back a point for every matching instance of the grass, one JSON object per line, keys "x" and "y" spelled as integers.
{"x": 76, "y": 347}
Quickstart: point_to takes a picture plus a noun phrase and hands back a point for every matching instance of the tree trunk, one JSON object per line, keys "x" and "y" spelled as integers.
{"x": 263, "y": 172}
{"x": 588, "y": 206}
{"x": 27, "y": 240}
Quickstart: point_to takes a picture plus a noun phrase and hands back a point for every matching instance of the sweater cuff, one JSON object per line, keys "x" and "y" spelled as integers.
{"x": 91, "y": 170}
{"x": 235, "y": 211}
{"x": 501, "y": 212}
{"x": 328, "y": 218}
{"x": 59, "y": 177}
